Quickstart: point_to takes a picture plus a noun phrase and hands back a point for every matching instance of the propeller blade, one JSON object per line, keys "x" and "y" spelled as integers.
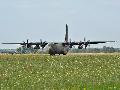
{"x": 84, "y": 39}
{"x": 86, "y": 46}
{"x": 70, "y": 40}
{"x": 89, "y": 45}
{"x": 27, "y": 41}
{"x": 41, "y": 40}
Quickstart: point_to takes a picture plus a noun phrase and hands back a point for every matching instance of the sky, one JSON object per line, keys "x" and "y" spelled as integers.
{"x": 97, "y": 20}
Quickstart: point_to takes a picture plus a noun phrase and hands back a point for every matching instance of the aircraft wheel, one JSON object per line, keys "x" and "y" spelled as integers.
{"x": 64, "y": 53}
{"x": 52, "y": 54}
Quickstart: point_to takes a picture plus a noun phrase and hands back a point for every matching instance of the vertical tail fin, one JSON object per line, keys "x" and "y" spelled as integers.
{"x": 66, "y": 35}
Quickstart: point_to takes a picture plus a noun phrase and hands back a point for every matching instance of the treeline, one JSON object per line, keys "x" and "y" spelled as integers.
{"x": 74, "y": 50}
{"x": 21, "y": 50}
{"x": 96, "y": 50}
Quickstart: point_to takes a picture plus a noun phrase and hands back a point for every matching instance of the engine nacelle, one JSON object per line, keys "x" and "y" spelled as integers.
{"x": 43, "y": 44}
{"x": 28, "y": 45}
{"x": 37, "y": 47}
{"x": 71, "y": 46}
{"x": 80, "y": 47}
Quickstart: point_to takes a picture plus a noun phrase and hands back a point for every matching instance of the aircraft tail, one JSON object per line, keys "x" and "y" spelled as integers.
{"x": 66, "y": 35}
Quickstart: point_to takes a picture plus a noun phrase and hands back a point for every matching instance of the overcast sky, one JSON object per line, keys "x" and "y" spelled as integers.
{"x": 45, "y": 19}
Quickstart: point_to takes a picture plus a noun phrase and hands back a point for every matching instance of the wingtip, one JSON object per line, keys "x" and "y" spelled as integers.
{"x": 112, "y": 41}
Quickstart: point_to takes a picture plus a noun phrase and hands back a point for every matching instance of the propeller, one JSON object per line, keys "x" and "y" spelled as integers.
{"x": 37, "y": 46}
{"x": 41, "y": 41}
{"x": 43, "y": 44}
{"x": 27, "y": 44}
{"x": 86, "y": 43}
{"x": 70, "y": 40}
{"x": 27, "y": 41}
{"x": 80, "y": 45}
{"x": 71, "y": 44}
{"x": 23, "y": 42}
{"x": 23, "y": 45}
{"x": 84, "y": 40}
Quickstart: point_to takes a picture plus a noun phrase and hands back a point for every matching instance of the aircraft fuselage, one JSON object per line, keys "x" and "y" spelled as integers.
{"x": 58, "y": 49}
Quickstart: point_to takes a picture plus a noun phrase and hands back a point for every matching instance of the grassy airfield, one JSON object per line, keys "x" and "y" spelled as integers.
{"x": 71, "y": 72}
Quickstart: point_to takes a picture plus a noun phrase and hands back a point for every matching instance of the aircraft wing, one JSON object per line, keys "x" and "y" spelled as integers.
{"x": 12, "y": 43}
{"x": 91, "y": 42}
{"x": 97, "y": 42}
{"x": 85, "y": 43}
{"x": 67, "y": 43}
{"x": 29, "y": 44}
{"x": 43, "y": 44}
{"x": 32, "y": 43}
{"x": 78, "y": 43}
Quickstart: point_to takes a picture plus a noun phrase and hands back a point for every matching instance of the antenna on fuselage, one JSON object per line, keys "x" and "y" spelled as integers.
{"x": 66, "y": 35}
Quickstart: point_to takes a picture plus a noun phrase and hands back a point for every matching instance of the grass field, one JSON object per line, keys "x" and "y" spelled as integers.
{"x": 71, "y": 72}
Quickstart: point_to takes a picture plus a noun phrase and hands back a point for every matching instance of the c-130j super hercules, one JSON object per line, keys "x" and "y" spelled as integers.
{"x": 59, "y": 47}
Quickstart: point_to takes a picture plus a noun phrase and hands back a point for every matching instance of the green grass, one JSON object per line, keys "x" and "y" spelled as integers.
{"x": 71, "y": 72}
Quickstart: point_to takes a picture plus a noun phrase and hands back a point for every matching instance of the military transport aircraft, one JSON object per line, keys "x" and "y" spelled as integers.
{"x": 59, "y": 47}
